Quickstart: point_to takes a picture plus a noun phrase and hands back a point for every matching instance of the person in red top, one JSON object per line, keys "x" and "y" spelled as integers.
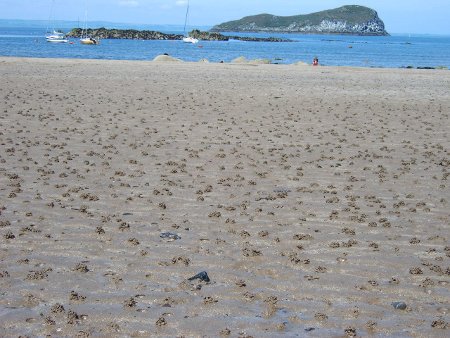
{"x": 315, "y": 61}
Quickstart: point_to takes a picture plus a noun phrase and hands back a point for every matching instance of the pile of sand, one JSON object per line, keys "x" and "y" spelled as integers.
{"x": 166, "y": 58}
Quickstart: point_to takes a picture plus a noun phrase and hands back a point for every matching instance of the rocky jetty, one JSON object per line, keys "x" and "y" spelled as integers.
{"x": 132, "y": 34}
{"x": 353, "y": 19}
{"x": 214, "y": 36}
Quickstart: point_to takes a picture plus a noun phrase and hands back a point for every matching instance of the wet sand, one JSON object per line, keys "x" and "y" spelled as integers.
{"x": 313, "y": 197}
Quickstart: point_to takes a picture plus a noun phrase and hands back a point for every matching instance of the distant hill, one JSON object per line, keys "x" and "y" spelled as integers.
{"x": 353, "y": 19}
{"x": 67, "y": 25}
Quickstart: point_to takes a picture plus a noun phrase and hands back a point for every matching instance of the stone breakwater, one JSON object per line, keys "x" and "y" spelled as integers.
{"x": 214, "y": 36}
{"x": 132, "y": 34}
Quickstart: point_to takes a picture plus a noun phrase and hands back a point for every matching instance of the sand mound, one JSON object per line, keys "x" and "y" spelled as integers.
{"x": 244, "y": 60}
{"x": 260, "y": 62}
{"x": 166, "y": 58}
{"x": 240, "y": 59}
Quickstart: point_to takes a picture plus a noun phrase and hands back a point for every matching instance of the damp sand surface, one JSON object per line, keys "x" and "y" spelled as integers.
{"x": 316, "y": 200}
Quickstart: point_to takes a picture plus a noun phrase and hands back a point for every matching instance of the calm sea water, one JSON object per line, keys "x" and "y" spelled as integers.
{"x": 334, "y": 50}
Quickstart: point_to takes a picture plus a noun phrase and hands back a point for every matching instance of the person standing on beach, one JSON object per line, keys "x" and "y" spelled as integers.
{"x": 315, "y": 61}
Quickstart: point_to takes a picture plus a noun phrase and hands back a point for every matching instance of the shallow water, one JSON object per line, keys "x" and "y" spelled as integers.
{"x": 334, "y": 50}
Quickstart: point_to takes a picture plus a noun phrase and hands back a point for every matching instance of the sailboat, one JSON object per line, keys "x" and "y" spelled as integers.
{"x": 54, "y": 36}
{"x": 85, "y": 39}
{"x": 188, "y": 39}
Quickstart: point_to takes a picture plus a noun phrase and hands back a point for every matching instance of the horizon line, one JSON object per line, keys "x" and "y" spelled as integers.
{"x": 178, "y": 25}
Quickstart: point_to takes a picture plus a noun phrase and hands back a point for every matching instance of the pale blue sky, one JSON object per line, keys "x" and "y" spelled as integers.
{"x": 399, "y": 16}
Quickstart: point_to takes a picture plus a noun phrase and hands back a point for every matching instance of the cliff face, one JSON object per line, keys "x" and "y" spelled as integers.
{"x": 356, "y": 20}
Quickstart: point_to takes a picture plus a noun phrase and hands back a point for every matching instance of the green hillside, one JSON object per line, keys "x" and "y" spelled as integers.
{"x": 346, "y": 19}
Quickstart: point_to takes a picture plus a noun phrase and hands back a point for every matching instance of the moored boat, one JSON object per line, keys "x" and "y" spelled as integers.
{"x": 56, "y": 37}
{"x": 190, "y": 39}
{"x": 85, "y": 38}
{"x": 187, "y": 38}
{"x": 89, "y": 41}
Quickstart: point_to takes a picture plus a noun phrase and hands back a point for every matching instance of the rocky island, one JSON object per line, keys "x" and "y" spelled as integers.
{"x": 352, "y": 19}
{"x": 132, "y": 34}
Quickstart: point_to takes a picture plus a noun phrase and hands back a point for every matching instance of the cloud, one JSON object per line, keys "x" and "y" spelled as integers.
{"x": 129, "y": 3}
{"x": 181, "y": 2}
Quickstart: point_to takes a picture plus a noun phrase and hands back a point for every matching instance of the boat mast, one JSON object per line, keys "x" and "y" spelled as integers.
{"x": 186, "y": 18}
{"x": 84, "y": 29}
{"x": 50, "y": 18}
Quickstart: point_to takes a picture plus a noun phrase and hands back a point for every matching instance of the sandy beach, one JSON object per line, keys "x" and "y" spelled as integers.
{"x": 315, "y": 199}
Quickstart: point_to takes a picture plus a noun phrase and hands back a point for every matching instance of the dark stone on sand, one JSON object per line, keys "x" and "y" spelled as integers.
{"x": 399, "y": 305}
{"x": 203, "y": 276}
{"x": 170, "y": 235}
{"x": 282, "y": 190}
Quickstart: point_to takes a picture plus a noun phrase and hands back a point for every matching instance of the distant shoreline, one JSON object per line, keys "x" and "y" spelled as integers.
{"x": 66, "y": 25}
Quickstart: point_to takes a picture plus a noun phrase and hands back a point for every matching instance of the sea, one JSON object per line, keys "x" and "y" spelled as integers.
{"x": 395, "y": 51}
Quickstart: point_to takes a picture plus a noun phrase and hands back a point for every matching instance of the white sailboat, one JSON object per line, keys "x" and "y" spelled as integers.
{"x": 188, "y": 39}
{"x": 85, "y": 39}
{"x": 54, "y": 36}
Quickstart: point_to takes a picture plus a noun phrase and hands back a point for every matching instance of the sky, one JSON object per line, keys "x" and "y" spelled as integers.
{"x": 399, "y": 16}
